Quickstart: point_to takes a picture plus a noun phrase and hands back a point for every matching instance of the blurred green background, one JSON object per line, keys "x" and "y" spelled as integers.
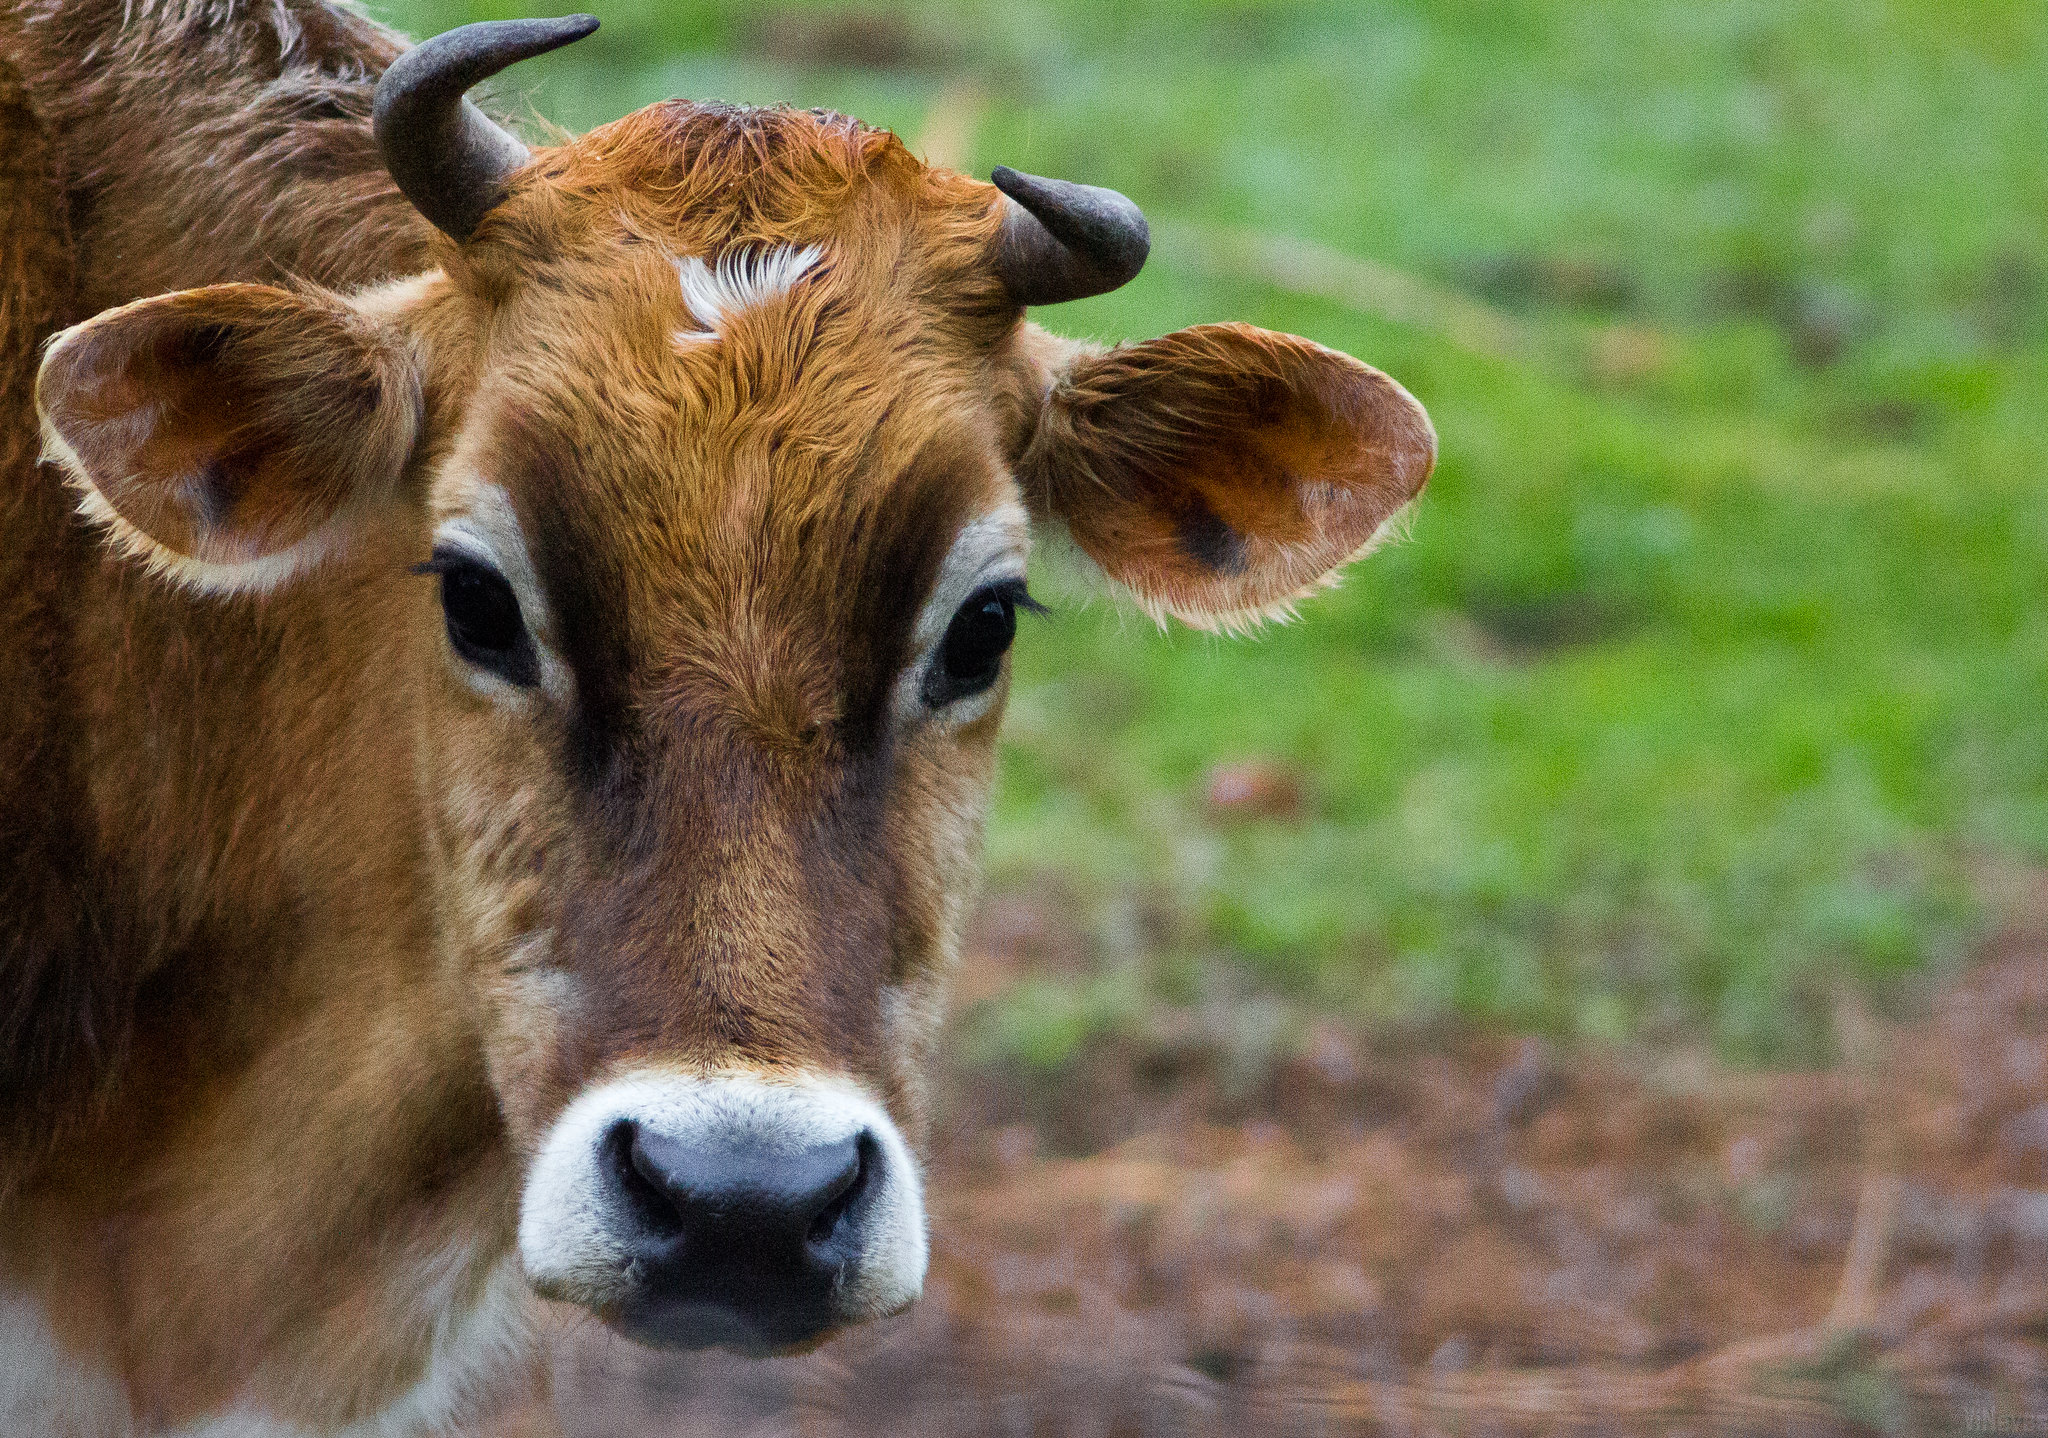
{"x": 1710, "y": 685}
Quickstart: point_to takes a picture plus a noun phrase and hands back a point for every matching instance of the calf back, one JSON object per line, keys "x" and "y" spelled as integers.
{"x": 201, "y": 141}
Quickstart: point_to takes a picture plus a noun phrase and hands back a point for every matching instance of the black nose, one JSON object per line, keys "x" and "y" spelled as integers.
{"x": 740, "y": 1244}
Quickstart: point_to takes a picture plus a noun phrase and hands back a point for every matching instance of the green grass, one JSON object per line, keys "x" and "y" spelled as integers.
{"x": 1709, "y": 678}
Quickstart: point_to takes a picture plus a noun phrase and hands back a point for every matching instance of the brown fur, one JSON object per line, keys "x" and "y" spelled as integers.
{"x": 117, "y": 118}
{"x": 363, "y": 927}
{"x": 62, "y": 1016}
{"x": 210, "y": 140}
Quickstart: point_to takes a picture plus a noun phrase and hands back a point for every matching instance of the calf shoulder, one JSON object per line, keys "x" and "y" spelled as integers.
{"x": 64, "y": 991}
{"x": 145, "y": 146}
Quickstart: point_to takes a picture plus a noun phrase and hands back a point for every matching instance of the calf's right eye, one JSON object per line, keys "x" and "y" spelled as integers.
{"x": 484, "y": 623}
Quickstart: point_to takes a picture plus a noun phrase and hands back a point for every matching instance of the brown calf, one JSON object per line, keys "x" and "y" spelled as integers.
{"x": 498, "y": 808}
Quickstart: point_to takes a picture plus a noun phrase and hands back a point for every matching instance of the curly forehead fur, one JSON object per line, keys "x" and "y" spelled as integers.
{"x": 702, "y": 178}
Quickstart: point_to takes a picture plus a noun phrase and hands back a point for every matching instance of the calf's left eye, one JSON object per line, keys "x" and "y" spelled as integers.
{"x": 970, "y": 657}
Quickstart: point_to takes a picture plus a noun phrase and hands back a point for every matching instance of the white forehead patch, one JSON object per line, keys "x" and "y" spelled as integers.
{"x": 713, "y": 294}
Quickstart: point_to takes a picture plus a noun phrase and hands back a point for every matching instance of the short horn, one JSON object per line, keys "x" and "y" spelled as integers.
{"x": 447, "y": 158}
{"x": 1063, "y": 241}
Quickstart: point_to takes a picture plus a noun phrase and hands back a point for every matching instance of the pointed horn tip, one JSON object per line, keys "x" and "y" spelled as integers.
{"x": 469, "y": 54}
{"x": 1066, "y": 240}
{"x": 445, "y": 155}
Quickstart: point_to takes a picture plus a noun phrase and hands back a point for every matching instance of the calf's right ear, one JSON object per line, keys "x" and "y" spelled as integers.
{"x": 230, "y": 437}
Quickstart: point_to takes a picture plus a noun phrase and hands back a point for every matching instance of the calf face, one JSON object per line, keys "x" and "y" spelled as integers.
{"x": 718, "y": 439}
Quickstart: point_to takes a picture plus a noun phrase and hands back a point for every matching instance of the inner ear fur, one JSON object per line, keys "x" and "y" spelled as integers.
{"x": 1221, "y": 472}
{"x": 229, "y": 436}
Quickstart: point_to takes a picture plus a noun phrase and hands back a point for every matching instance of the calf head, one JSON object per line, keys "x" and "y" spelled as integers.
{"x": 718, "y": 439}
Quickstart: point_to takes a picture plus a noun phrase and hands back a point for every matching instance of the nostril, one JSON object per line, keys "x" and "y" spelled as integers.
{"x": 640, "y": 1181}
{"x": 846, "y": 1189}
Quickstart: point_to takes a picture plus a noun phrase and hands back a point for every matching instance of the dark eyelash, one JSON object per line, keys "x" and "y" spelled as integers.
{"x": 445, "y": 560}
{"x": 1014, "y": 591}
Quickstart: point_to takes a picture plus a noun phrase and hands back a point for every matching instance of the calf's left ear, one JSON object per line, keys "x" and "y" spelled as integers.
{"x": 1221, "y": 472}
{"x": 233, "y": 436}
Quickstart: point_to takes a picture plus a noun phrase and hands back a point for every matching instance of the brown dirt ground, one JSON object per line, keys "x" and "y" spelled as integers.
{"x": 1468, "y": 1235}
